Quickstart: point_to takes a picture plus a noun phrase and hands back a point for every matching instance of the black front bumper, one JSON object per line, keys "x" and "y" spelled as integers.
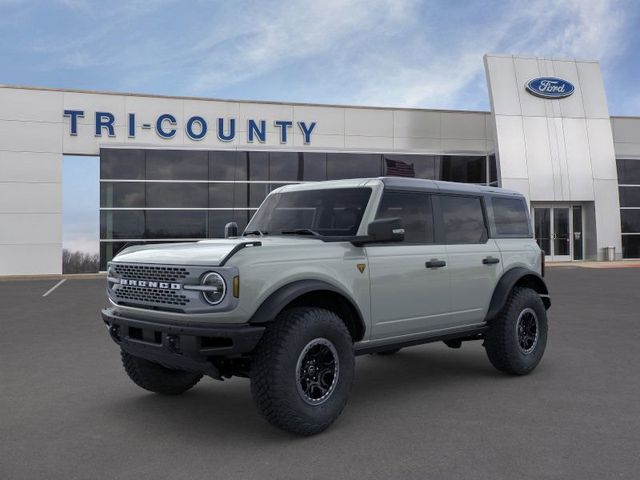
{"x": 180, "y": 346}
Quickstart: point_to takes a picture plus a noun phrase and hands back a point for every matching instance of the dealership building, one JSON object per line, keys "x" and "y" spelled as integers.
{"x": 178, "y": 168}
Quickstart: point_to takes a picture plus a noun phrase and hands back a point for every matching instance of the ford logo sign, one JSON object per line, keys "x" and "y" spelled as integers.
{"x": 550, "y": 87}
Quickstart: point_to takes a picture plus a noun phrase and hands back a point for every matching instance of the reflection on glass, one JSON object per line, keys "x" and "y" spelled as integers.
{"x": 314, "y": 166}
{"x": 630, "y": 221}
{"x": 122, "y": 195}
{"x": 631, "y": 246}
{"x": 258, "y": 166}
{"x": 177, "y": 165}
{"x": 121, "y": 224}
{"x": 463, "y": 219}
{"x": 414, "y": 211}
{"x": 176, "y": 224}
{"x": 577, "y": 232}
{"x": 284, "y": 166}
{"x": 561, "y": 240}
{"x": 353, "y": 165}
{"x": 542, "y": 222}
{"x": 177, "y": 195}
{"x": 122, "y": 164}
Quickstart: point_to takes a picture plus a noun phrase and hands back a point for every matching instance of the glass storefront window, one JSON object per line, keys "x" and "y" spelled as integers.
{"x": 630, "y": 221}
{"x": 631, "y": 246}
{"x": 122, "y": 195}
{"x": 176, "y": 224}
{"x": 629, "y": 196}
{"x": 122, "y": 164}
{"x": 258, "y": 166}
{"x": 464, "y": 169}
{"x": 177, "y": 165}
{"x": 628, "y": 171}
{"x": 177, "y": 195}
{"x": 284, "y": 166}
{"x": 209, "y": 180}
{"x": 314, "y": 166}
{"x": 227, "y": 165}
{"x": 353, "y": 165}
{"x": 122, "y": 224}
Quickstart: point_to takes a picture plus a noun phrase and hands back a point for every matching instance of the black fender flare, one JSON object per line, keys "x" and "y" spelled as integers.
{"x": 286, "y": 294}
{"x": 511, "y": 278}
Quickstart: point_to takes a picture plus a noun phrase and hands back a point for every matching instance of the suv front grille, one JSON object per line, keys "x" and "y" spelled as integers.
{"x": 153, "y": 273}
{"x": 132, "y": 294}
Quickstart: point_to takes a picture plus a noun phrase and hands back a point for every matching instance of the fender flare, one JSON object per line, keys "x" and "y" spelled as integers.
{"x": 510, "y": 279}
{"x": 286, "y": 294}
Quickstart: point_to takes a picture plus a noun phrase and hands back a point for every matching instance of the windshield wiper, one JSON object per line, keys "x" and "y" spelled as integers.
{"x": 254, "y": 232}
{"x": 301, "y": 231}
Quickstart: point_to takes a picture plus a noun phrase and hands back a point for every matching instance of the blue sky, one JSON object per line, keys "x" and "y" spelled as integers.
{"x": 369, "y": 52}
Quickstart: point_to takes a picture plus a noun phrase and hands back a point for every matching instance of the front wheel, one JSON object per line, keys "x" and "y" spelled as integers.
{"x": 517, "y": 338}
{"x": 302, "y": 370}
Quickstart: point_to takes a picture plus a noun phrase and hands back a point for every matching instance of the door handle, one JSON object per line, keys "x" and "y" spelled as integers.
{"x": 490, "y": 260}
{"x": 435, "y": 263}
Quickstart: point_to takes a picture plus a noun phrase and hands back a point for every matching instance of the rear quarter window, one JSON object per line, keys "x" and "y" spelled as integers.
{"x": 510, "y": 218}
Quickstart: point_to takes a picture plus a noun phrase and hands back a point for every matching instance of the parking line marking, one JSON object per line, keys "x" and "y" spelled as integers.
{"x": 54, "y": 287}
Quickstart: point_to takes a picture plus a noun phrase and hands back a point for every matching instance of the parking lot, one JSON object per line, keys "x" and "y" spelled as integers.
{"x": 69, "y": 411}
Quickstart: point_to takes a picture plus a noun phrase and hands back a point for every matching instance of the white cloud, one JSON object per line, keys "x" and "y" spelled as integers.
{"x": 375, "y": 52}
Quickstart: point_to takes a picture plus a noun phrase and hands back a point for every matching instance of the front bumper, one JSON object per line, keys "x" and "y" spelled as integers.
{"x": 181, "y": 346}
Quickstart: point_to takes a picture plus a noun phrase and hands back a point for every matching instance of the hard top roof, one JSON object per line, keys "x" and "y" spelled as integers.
{"x": 403, "y": 183}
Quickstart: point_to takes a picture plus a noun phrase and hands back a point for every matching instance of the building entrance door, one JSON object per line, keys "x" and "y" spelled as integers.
{"x": 558, "y": 231}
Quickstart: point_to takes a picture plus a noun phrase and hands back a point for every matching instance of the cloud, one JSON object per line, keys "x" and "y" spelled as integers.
{"x": 374, "y": 52}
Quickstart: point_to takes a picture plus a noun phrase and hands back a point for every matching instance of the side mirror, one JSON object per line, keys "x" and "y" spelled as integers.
{"x": 386, "y": 230}
{"x": 231, "y": 230}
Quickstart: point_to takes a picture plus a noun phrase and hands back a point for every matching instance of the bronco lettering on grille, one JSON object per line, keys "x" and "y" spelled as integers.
{"x": 150, "y": 284}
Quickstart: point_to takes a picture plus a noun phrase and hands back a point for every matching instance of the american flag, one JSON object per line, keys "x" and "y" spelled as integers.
{"x": 398, "y": 168}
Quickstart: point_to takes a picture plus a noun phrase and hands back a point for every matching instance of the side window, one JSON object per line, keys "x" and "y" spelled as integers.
{"x": 463, "y": 219}
{"x": 510, "y": 217}
{"x": 414, "y": 210}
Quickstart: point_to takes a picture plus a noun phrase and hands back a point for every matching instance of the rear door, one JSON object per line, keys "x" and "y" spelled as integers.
{"x": 410, "y": 279}
{"x": 475, "y": 264}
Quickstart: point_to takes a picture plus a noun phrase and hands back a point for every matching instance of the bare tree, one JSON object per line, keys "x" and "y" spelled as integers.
{"x": 79, "y": 262}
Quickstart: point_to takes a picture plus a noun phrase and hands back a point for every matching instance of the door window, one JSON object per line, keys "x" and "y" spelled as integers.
{"x": 414, "y": 211}
{"x": 463, "y": 219}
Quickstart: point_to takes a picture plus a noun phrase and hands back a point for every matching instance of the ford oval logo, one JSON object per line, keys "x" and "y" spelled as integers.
{"x": 550, "y": 87}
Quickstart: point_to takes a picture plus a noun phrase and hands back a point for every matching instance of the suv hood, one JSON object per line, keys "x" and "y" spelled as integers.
{"x": 204, "y": 252}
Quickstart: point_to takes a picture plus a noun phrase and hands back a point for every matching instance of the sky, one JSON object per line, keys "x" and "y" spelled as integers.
{"x": 402, "y": 53}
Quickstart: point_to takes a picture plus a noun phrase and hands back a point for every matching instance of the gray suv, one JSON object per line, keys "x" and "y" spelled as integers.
{"x": 322, "y": 273}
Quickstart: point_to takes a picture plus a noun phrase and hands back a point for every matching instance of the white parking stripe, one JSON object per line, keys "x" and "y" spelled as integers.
{"x": 54, "y": 287}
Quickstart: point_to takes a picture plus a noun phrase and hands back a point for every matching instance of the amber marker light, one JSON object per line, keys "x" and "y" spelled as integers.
{"x": 236, "y": 286}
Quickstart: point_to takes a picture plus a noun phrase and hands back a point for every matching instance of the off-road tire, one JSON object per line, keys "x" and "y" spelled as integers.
{"x": 502, "y": 342}
{"x": 391, "y": 351}
{"x": 275, "y": 375}
{"x": 156, "y": 378}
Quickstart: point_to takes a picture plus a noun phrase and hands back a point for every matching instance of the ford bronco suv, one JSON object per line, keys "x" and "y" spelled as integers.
{"x": 322, "y": 273}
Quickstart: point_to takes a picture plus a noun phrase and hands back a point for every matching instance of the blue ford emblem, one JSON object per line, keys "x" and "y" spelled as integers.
{"x": 550, "y": 87}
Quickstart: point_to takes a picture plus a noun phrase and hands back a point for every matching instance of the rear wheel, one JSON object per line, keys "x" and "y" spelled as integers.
{"x": 517, "y": 338}
{"x": 156, "y": 378}
{"x": 302, "y": 370}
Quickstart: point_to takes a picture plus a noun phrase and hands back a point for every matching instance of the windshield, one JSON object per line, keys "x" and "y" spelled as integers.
{"x": 327, "y": 212}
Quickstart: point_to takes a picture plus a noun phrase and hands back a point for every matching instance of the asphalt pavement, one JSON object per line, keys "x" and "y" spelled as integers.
{"x": 68, "y": 411}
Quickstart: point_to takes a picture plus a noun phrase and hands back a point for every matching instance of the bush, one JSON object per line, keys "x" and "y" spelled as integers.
{"x": 80, "y": 262}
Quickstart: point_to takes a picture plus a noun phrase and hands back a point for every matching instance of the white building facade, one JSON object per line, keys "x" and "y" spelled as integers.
{"x": 178, "y": 169}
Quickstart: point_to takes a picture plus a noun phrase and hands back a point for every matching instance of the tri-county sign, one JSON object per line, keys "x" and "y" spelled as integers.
{"x": 196, "y": 127}
{"x": 550, "y": 87}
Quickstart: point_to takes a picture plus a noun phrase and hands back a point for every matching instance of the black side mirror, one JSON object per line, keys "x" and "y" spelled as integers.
{"x": 386, "y": 230}
{"x": 231, "y": 230}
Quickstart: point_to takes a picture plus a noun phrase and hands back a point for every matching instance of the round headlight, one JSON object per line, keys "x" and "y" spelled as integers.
{"x": 216, "y": 288}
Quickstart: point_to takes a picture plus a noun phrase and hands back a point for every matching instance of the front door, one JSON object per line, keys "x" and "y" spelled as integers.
{"x": 410, "y": 281}
{"x": 558, "y": 231}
